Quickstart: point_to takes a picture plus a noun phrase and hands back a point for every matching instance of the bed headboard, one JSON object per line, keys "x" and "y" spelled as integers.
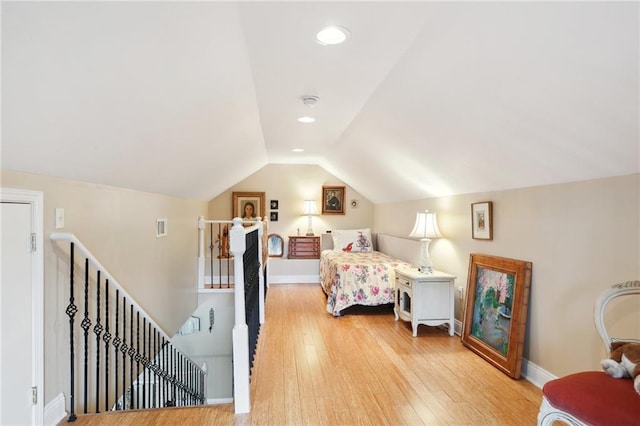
{"x": 326, "y": 241}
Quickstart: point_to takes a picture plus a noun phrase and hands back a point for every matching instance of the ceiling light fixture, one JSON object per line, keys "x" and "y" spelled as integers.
{"x": 332, "y": 35}
{"x": 306, "y": 119}
{"x": 297, "y": 150}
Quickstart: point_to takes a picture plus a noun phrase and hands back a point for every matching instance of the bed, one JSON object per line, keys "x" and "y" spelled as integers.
{"x": 352, "y": 273}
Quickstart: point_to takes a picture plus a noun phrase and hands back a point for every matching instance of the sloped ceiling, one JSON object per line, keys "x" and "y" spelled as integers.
{"x": 425, "y": 99}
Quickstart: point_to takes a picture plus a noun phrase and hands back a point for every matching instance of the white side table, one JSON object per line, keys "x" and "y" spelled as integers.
{"x": 424, "y": 298}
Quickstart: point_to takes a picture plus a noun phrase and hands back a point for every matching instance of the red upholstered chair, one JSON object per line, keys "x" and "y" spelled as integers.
{"x": 592, "y": 397}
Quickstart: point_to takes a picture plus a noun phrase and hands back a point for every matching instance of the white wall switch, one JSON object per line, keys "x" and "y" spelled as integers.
{"x": 59, "y": 218}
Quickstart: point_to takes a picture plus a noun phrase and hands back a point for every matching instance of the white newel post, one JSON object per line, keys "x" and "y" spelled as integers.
{"x": 201, "y": 256}
{"x": 240, "y": 329}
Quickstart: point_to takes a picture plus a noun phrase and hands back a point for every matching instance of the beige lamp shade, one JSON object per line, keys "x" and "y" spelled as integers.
{"x": 310, "y": 209}
{"x": 425, "y": 228}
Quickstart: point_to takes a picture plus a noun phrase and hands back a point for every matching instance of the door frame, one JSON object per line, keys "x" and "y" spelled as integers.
{"x": 36, "y": 200}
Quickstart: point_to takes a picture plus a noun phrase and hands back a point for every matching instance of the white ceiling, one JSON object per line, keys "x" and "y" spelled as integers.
{"x": 426, "y": 98}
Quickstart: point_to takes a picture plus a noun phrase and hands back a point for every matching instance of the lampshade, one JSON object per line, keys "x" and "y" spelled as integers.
{"x": 309, "y": 207}
{"x": 426, "y": 226}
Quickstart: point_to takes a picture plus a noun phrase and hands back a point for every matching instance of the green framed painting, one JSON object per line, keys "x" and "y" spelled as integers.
{"x": 496, "y": 310}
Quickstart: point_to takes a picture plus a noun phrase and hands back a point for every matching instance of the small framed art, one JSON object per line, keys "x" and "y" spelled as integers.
{"x": 274, "y": 204}
{"x": 482, "y": 220}
{"x": 495, "y": 314}
{"x": 273, "y": 217}
{"x": 333, "y": 199}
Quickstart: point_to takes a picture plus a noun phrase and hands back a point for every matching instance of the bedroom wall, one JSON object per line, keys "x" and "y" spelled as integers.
{"x": 118, "y": 227}
{"x": 292, "y": 184}
{"x": 582, "y": 237}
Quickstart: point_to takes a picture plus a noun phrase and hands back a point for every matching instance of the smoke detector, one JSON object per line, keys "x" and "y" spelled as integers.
{"x": 309, "y": 100}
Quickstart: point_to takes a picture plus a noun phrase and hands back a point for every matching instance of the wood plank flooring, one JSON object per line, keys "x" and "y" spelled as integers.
{"x": 363, "y": 368}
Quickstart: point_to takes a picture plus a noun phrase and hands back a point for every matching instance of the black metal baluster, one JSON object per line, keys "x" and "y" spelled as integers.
{"x": 144, "y": 364}
{"x": 106, "y": 338}
{"x": 211, "y": 252}
{"x": 181, "y": 375}
{"x": 116, "y": 345}
{"x": 137, "y": 358}
{"x": 97, "y": 330}
{"x": 86, "y": 324}
{"x": 71, "y": 312}
{"x": 123, "y": 352}
{"x": 156, "y": 379}
{"x": 165, "y": 382}
{"x": 172, "y": 384}
{"x": 151, "y": 379}
{"x": 131, "y": 352}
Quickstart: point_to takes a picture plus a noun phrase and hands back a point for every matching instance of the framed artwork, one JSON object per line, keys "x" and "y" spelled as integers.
{"x": 274, "y": 204}
{"x": 495, "y": 314}
{"x": 275, "y": 245}
{"x": 273, "y": 217}
{"x": 482, "y": 220}
{"x": 248, "y": 205}
{"x": 333, "y": 199}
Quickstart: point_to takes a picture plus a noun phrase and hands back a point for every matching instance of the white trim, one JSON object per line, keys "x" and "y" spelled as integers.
{"x": 536, "y": 375}
{"x": 218, "y": 401}
{"x": 36, "y": 200}
{"x": 294, "y": 279}
{"x": 55, "y": 412}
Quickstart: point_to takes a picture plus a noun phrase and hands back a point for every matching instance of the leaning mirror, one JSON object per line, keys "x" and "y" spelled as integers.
{"x": 276, "y": 245}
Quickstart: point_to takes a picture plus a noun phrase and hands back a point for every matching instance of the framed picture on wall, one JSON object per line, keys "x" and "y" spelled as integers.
{"x": 495, "y": 314}
{"x": 248, "y": 205}
{"x": 333, "y": 199}
{"x": 482, "y": 220}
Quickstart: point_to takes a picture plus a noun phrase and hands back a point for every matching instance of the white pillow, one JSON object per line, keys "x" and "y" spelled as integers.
{"x": 352, "y": 240}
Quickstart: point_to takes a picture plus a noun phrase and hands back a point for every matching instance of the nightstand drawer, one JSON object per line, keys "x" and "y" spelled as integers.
{"x": 304, "y": 247}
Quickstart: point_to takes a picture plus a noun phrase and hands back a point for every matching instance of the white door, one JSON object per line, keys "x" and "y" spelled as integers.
{"x": 20, "y": 347}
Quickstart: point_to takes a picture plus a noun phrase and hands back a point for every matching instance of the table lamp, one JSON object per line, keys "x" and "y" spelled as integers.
{"x": 425, "y": 228}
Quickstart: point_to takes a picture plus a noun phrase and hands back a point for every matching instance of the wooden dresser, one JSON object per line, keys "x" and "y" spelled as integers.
{"x": 303, "y": 247}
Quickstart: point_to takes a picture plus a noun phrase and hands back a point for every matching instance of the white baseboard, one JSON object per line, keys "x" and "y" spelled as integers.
{"x": 535, "y": 374}
{"x": 218, "y": 401}
{"x": 294, "y": 279}
{"x": 457, "y": 327}
{"x": 530, "y": 371}
{"x": 54, "y": 411}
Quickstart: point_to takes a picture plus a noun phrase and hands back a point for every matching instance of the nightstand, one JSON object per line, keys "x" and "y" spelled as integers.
{"x": 424, "y": 298}
{"x": 304, "y": 247}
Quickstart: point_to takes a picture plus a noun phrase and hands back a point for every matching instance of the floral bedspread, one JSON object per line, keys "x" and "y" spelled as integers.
{"x": 357, "y": 279}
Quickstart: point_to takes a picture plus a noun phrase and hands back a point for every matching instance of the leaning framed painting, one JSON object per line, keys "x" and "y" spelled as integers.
{"x": 248, "y": 205}
{"x": 333, "y": 199}
{"x": 495, "y": 313}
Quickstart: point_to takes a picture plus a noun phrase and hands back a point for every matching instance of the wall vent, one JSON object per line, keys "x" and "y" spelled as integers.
{"x": 161, "y": 227}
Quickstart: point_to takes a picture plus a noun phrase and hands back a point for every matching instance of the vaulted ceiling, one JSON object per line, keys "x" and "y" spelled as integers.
{"x": 425, "y": 99}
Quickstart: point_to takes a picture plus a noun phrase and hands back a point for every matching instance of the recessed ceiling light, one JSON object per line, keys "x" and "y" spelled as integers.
{"x": 332, "y": 35}
{"x": 306, "y": 119}
{"x": 297, "y": 150}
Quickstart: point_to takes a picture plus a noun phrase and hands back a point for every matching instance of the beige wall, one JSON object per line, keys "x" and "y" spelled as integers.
{"x": 118, "y": 227}
{"x": 291, "y": 185}
{"x": 581, "y": 237}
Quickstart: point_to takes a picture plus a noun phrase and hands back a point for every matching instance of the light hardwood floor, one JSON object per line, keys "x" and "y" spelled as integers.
{"x": 362, "y": 368}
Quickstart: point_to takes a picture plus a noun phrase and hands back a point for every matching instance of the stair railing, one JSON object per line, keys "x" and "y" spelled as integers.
{"x": 246, "y": 252}
{"x": 129, "y": 362}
